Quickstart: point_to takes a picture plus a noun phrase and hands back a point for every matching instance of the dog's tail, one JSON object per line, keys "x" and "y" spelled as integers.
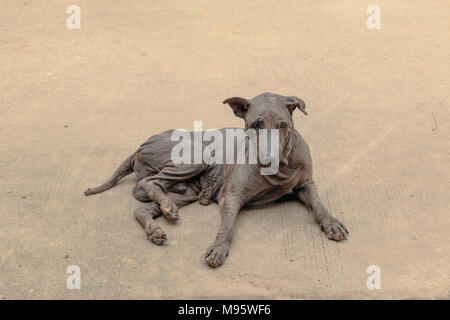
{"x": 125, "y": 169}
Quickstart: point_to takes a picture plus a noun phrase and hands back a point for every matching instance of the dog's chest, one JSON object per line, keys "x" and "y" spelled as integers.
{"x": 278, "y": 185}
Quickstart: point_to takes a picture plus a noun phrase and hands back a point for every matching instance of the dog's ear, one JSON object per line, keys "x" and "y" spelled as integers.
{"x": 239, "y": 106}
{"x": 294, "y": 102}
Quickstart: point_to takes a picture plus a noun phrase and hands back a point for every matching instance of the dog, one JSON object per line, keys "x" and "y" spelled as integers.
{"x": 167, "y": 186}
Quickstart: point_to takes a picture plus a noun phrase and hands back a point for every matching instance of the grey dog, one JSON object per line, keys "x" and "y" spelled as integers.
{"x": 167, "y": 186}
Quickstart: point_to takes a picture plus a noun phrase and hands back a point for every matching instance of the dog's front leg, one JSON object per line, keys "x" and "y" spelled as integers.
{"x": 229, "y": 208}
{"x": 334, "y": 229}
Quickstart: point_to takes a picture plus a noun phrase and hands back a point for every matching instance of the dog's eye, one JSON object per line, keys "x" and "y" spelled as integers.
{"x": 283, "y": 125}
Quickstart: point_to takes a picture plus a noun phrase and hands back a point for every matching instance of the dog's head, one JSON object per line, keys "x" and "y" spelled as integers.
{"x": 268, "y": 111}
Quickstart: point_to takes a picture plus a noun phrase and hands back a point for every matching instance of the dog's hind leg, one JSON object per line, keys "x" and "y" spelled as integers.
{"x": 140, "y": 195}
{"x": 146, "y": 214}
{"x": 157, "y": 186}
{"x": 154, "y": 189}
{"x": 124, "y": 169}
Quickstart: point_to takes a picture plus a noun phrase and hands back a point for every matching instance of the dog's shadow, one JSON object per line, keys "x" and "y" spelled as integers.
{"x": 277, "y": 207}
{"x": 287, "y": 198}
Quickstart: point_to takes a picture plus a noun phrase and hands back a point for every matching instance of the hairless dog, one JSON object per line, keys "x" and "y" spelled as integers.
{"x": 167, "y": 186}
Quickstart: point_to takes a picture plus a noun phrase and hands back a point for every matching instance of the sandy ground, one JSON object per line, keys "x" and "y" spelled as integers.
{"x": 75, "y": 103}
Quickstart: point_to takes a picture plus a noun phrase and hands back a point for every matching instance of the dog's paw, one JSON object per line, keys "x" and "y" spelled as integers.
{"x": 169, "y": 209}
{"x": 334, "y": 229}
{"x": 215, "y": 255}
{"x": 155, "y": 234}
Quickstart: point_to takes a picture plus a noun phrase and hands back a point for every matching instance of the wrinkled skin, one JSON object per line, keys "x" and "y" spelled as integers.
{"x": 167, "y": 187}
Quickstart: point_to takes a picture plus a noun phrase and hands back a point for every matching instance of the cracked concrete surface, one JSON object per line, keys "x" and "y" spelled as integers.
{"x": 75, "y": 103}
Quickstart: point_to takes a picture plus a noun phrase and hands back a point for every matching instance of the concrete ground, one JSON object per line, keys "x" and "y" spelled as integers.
{"x": 75, "y": 103}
